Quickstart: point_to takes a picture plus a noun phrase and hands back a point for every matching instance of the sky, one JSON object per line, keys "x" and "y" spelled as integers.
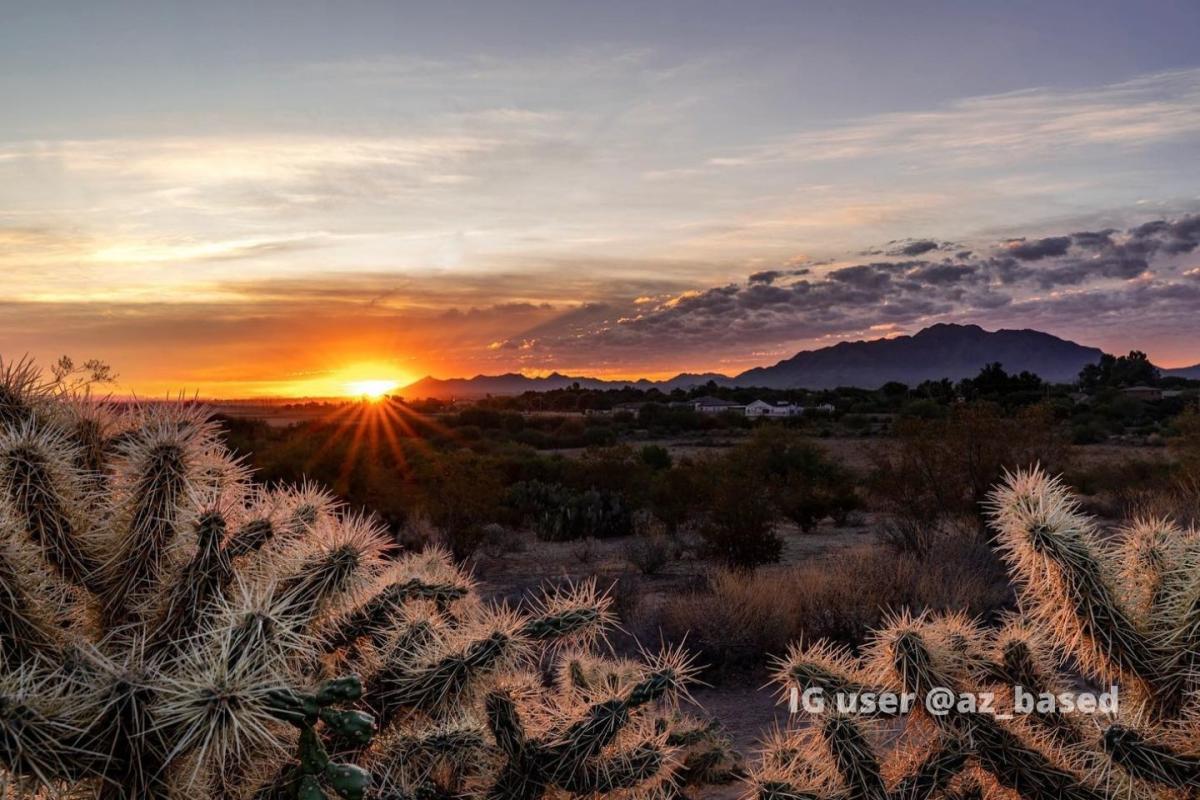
{"x": 284, "y": 197}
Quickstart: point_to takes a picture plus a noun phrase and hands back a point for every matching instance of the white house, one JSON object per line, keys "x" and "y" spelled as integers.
{"x": 761, "y": 408}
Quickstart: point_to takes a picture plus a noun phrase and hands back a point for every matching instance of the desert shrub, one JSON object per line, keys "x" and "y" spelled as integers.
{"x": 656, "y": 457}
{"x": 778, "y": 472}
{"x": 650, "y": 552}
{"x": 500, "y": 540}
{"x": 804, "y": 482}
{"x": 939, "y": 472}
{"x": 530, "y": 498}
{"x": 739, "y": 525}
{"x": 579, "y": 515}
{"x": 1120, "y": 614}
{"x": 740, "y": 618}
{"x": 171, "y": 630}
{"x": 617, "y": 469}
{"x": 460, "y": 493}
{"x": 807, "y": 503}
{"x": 1088, "y": 431}
{"x": 677, "y": 495}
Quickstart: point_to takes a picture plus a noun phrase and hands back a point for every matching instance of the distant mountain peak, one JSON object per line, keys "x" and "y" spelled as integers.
{"x": 942, "y": 350}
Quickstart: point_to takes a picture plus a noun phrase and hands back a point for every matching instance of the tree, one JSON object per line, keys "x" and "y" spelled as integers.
{"x": 1114, "y": 372}
{"x": 994, "y": 383}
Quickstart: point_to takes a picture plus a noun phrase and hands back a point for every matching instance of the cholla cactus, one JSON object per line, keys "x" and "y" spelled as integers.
{"x": 468, "y": 714}
{"x": 1094, "y": 612}
{"x": 170, "y": 630}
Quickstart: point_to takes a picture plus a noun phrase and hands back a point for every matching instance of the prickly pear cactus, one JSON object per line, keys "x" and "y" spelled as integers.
{"x": 169, "y": 629}
{"x": 1096, "y": 612}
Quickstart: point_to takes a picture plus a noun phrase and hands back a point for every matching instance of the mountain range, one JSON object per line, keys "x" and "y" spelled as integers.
{"x": 939, "y": 351}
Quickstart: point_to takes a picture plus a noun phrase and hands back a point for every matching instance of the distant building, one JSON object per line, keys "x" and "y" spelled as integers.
{"x": 715, "y": 405}
{"x": 761, "y": 408}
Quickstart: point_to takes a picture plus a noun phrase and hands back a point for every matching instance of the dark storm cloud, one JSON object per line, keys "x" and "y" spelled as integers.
{"x": 1038, "y": 249}
{"x": 988, "y": 300}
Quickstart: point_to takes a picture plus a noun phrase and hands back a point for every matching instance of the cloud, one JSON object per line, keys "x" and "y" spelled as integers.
{"x": 995, "y": 129}
{"x": 1103, "y": 271}
{"x": 942, "y": 274}
{"x": 455, "y": 323}
{"x": 916, "y": 248}
{"x": 769, "y": 276}
{"x": 1109, "y": 253}
{"x": 1093, "y": 240}
{"x": 1038, "y": 249}
{"x": 766, "y": 276}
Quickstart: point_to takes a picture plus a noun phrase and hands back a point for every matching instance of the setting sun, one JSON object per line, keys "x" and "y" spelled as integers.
{"x": 371, "y": 379}
{"x": 371, "y": 389}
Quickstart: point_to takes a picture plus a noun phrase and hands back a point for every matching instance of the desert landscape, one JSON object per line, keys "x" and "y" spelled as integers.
{"x": 624, "y": 400}
{"x": 364, "y": 596}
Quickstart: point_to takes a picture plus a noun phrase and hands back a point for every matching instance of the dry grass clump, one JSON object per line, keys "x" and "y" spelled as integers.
{"x": 741, "y": 617}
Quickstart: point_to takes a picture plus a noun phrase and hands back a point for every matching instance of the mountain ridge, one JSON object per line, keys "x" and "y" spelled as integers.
{"x": 943, "y": 350}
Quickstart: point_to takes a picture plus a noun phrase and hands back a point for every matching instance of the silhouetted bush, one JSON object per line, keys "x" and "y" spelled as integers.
{"x": 656, "y": 457}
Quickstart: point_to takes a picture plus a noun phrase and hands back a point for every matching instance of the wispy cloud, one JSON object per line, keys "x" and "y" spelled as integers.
{"x": 1035, "y": 123}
